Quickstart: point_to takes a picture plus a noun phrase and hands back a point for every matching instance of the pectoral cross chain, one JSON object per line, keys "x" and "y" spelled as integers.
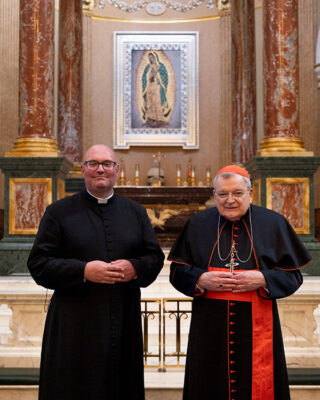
{"x": 232, "y": 262}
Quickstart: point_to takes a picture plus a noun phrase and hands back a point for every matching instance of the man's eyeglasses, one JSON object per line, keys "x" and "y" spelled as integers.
{"x": 224, "y": 195}
{"x": 93, "y": 165}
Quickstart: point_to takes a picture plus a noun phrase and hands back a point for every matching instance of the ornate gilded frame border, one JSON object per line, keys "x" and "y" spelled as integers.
{"x": 256, "y": 188}
{"x": 12, "y": 203}
{"x": 187, "y": 134}
{"x": 306, "y": 198}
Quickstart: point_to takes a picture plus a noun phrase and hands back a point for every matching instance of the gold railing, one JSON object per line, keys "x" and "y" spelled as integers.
{"x": 165, "y": 331}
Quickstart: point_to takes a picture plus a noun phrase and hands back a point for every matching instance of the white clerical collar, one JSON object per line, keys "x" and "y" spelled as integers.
{"x": 102, "y": 200}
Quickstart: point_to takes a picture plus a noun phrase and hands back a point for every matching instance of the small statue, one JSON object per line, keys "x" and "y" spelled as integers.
{"x": 155, "y": 174}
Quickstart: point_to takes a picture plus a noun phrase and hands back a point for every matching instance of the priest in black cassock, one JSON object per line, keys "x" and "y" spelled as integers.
{"x": 95, "y": 249}
{"x": 236, "y": 260}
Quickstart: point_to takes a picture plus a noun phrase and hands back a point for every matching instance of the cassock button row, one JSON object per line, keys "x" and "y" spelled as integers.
{"x": 232, "y": 362}
{"x": 232, "y": 351}
{"x": 232, "y": 323}
{"x": 232, "y": 313}
{"x": 232, "y": 303}
{"x": 231, "y": 342}
{"x": 231, "y": 333}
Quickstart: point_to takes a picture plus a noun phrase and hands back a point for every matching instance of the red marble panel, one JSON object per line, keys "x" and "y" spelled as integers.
{"x": 36, "y": 68}
{"x": 281, "y": 68}
{"x": 30, "y": 204}
{"x": 243, "y": 81}
{"x": 288, "y": 200}
{"x": 69, "y": 98}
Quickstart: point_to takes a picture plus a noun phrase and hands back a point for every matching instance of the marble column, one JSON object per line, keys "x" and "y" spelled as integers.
{"x": 69, "y": 95}
{"x": 36, "y": 86}
{"x": 225, "y": 116}
{"x": 281, "y": 79}
{"x": 243, "y": 81}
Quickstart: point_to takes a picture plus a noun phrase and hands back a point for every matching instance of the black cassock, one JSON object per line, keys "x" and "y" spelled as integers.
{"x": 92, "y": 343}
{"x": 224, "y": 351}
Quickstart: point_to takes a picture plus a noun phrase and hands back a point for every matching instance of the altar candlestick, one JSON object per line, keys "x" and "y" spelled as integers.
{"x": 122, "y": 173}
{"x": 137, "y": 175}
{"x": 208, "y": 176}
{"x": 178, "y": 175}
{"x": 193, "y": 176}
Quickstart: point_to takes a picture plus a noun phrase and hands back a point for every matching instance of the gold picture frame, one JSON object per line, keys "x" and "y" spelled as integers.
{"x": 256, "y": 192}
{"x": 297, "y": 214}
{"x": 25, "y": 213}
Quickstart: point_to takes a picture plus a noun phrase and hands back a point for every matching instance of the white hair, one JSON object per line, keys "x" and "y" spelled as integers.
{"x": 227, "y": 175}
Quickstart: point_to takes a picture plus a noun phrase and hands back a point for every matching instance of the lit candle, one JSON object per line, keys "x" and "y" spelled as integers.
{"x": 208, "y": 172}
{"x": 193, "y": 172}
{"x": 178, "y": 170}
{"x": 137, "y": 170}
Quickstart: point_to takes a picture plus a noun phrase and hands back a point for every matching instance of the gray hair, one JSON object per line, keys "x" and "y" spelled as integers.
{"x": 227, "y": 175}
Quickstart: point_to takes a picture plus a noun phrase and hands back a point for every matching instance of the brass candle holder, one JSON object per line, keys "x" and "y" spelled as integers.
{"x": 122, "y": 173}
{"x": 178, "y": 175}
{"x": 136, "y": 179}
{"x": 208, "y": 177}
{"x": 193, "y": 176}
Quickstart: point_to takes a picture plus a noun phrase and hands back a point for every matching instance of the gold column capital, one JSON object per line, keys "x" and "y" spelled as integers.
{"x": 34, "y": 147}
{"x": 283, "y": 147}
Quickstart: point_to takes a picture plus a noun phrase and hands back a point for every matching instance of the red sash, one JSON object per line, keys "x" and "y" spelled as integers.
{"x": 262, "y": 339}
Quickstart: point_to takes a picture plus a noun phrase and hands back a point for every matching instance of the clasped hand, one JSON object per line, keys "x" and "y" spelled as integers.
{"x": 237, "y": 282}
{"x": 115, "y": 271}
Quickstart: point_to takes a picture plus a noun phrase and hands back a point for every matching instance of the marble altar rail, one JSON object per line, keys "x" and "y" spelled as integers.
{"x": 165, "y": 318}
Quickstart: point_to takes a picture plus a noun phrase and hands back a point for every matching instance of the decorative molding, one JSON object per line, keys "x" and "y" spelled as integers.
{"x": 156, "y": 8}
{"x": 224, "y": 6}
{"x": 34, "y": 147}
{"x": 283, "y": 146}
{"x": 158, "y": 217}
{"x": 178, "y": 6}
{"x": 88, "y": 5}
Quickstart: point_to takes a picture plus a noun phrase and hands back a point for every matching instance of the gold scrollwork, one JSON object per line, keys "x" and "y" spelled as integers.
{"x": 224, "y": 5}
{"x": 88, "y": 5}
{"x": 159, "y": 217}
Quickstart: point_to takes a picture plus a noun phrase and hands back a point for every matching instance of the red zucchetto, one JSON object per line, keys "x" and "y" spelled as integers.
{"x": 235, "y": 169}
